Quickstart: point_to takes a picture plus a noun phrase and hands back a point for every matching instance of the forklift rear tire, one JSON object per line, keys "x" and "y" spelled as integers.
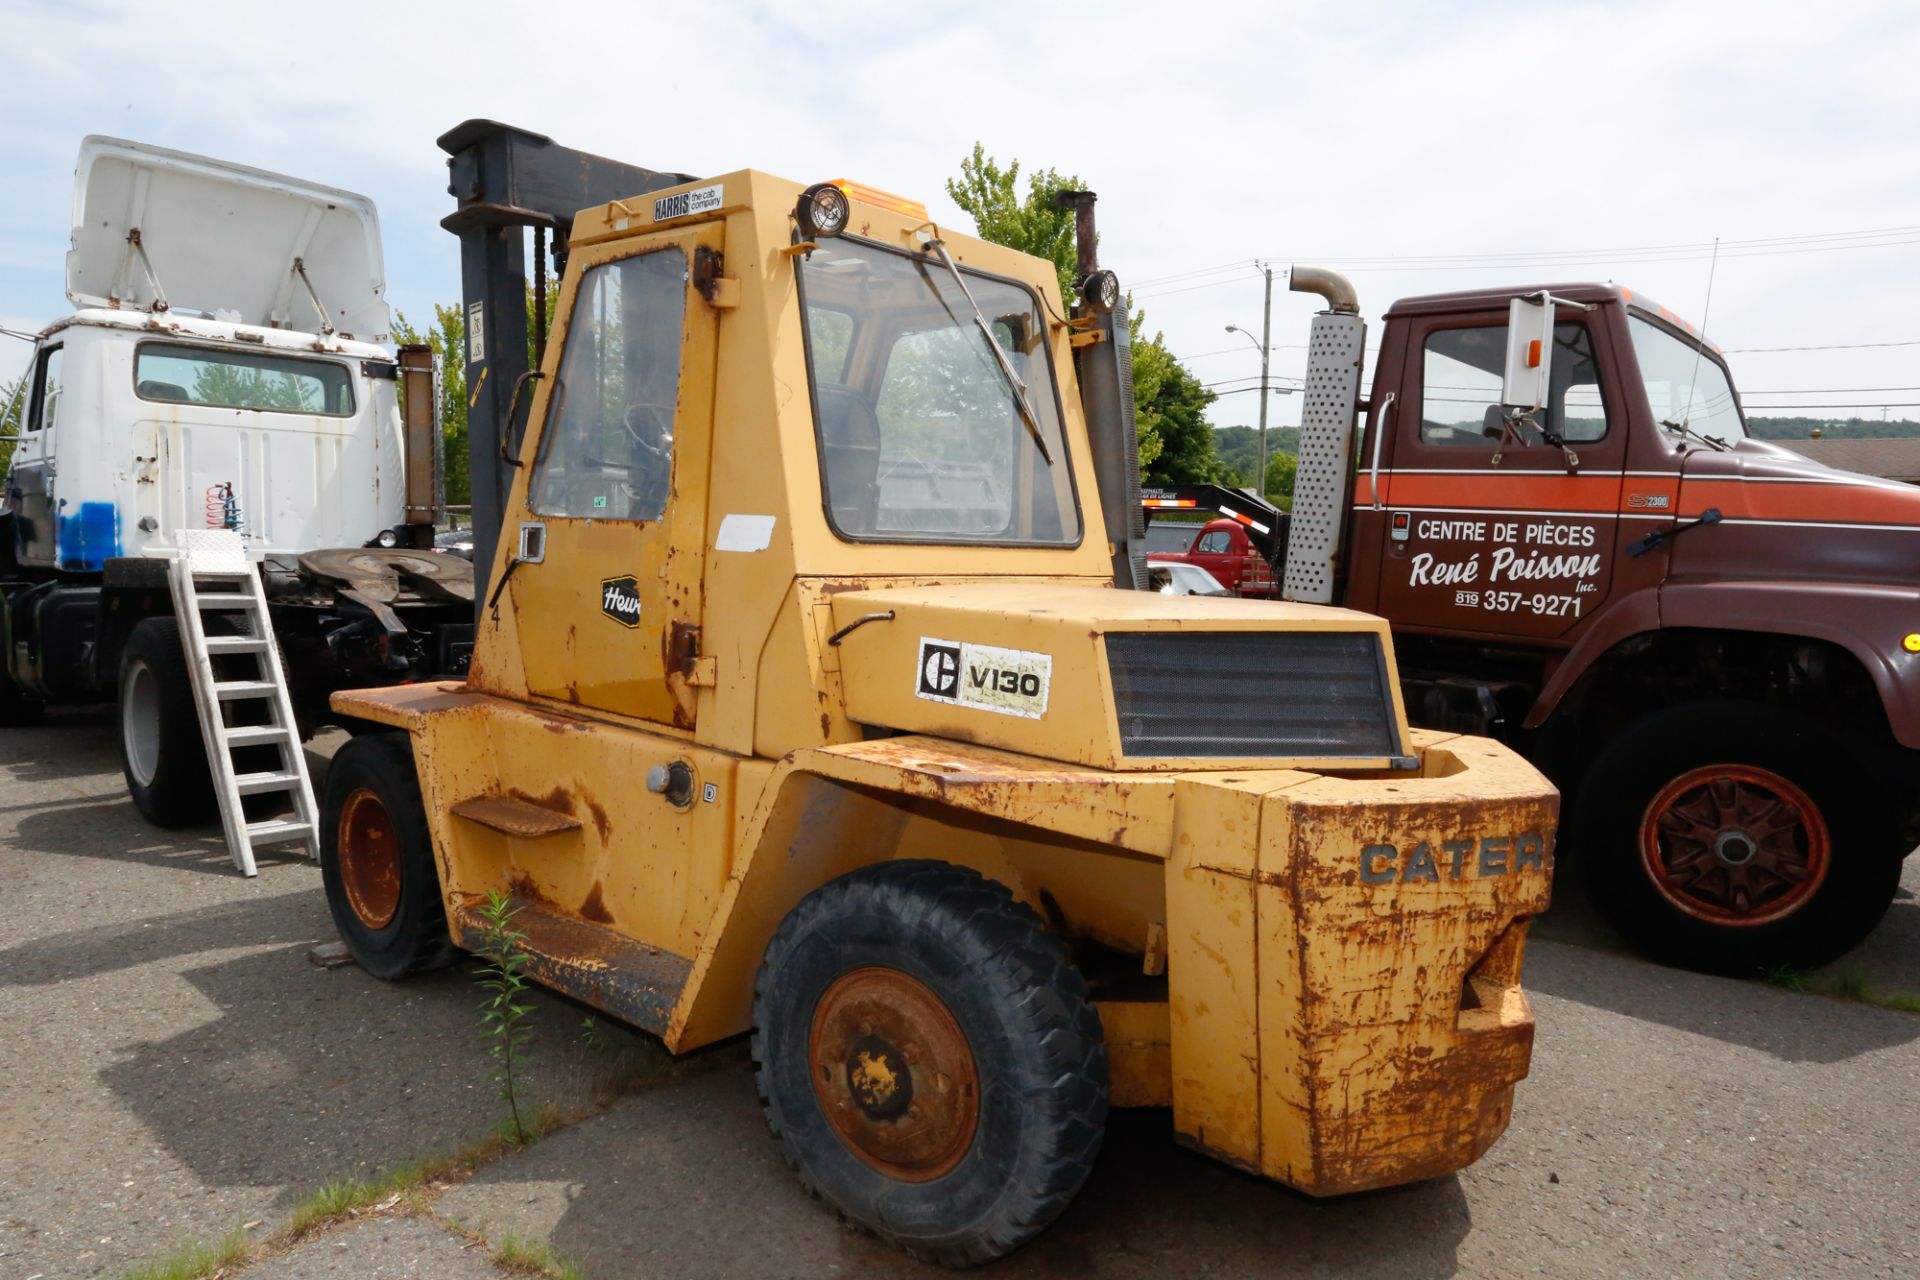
{"x": 161, "y": 751}
{"x": 929, "y": 1060}
{"x": 1737, "y": 838}
{"x": 376, "y": 860}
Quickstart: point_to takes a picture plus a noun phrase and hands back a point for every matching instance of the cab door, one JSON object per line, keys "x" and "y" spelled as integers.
{"x": 31, "y": 476}
{"x": 1212, "y": 551}
{"x": 1492, "y": 532}
{"x": 607, "y": 596}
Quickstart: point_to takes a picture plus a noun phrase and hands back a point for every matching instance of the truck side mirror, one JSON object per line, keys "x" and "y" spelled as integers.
{"x": 1525, "y": 382}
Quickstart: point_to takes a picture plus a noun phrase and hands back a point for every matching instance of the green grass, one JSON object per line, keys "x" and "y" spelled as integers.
{"x": 535, "y": 1257}
{"x": 1788, "y": 978}
{"x": 1844, "y": 984}
{"x": 197, "y": 1261}
{"x": 344, "y": 1197}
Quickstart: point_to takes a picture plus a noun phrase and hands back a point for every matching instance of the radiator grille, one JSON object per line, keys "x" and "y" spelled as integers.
{"x": 1300, "y": 694}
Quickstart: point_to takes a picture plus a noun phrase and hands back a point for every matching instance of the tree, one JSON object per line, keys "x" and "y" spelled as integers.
{"x": 447, "y": 337}
{"x": 1280, "y": 472}
{"x": 1033, "y": 223}
{"x": 13, "y": 410}
{"x": 1170, "y": 408}
{"x": 1176, "y": 442}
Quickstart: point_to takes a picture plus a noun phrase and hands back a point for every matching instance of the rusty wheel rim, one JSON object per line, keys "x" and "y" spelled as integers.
{"x": 1735, "y": 845}
{"x": 894, "y": 1074}
{"x": 369, "y": 859}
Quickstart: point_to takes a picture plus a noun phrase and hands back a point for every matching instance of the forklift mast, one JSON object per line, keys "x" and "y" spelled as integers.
{"x": 504, "y": 180}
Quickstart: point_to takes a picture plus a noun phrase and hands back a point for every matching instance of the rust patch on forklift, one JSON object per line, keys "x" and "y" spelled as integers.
{"x": 560, "y": 800}
{"x": 601, "y": 822}
{"x": 520, "y": 885}
{"x": 595, "y": 907}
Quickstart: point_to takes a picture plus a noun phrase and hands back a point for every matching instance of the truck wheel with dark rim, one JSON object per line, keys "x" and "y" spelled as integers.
{"x": 161, "y": 751}
{"x": 929, "y": 1060}
{"x": 376, "y": 859}
{"x": 1736, "y": 837}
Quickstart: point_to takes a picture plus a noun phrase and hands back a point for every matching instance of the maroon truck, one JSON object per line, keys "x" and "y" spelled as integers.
{"x": 1711, "y": 643}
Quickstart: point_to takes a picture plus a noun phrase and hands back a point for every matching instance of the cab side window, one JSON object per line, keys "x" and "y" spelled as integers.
{"x": 607, "y": 452}
{"x": 1460, "y": 387}
{"x": 46, "y": 391}
{"x": 1216, "y": 542}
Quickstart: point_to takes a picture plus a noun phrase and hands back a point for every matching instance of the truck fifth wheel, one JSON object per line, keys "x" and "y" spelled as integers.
{"x": 805, "y": 703}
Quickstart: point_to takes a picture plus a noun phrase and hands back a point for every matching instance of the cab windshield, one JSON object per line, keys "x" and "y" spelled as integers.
{"x": 1686, "y": 387}
{"x": 921, "y": 435}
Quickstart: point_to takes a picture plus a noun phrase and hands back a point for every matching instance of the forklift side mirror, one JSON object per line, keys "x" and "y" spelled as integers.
{"x": 1525, "y": 382}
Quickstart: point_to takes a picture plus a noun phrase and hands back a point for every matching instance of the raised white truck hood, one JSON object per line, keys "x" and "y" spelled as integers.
{"x": 223, "y": 239}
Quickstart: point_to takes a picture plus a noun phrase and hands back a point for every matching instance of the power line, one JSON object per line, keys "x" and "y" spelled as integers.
{"x": 1763, "y": 247}
{"x": 1826, "y": 391}
{"x": 1192, "y": 275}
{"x": 1835, "y": 346}
{"x": 1760, "y": 242}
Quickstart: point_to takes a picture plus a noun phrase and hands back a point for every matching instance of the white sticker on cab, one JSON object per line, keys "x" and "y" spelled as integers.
{"x": 1010, "y": 682}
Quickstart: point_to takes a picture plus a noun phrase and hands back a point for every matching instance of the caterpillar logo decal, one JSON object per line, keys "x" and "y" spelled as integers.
{"x": 1466, "y": 857}
{"x": 1010, "y": 682}
{"x": 620, "y": 600}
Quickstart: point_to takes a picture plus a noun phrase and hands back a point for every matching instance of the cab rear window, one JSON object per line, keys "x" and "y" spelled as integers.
{"x": 172, "y": 374}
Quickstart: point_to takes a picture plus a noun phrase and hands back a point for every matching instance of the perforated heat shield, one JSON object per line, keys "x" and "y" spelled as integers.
{"x": 1335, "y": 352}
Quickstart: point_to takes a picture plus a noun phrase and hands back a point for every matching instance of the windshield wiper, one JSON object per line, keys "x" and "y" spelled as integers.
{"x": 1018, "y": 387}
{"x": 1685, "y": 430}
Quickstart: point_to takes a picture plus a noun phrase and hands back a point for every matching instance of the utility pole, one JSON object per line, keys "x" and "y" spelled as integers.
{"x": 1266, "y": 353}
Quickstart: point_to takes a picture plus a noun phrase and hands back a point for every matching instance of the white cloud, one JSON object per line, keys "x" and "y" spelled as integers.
{"x": 1212, "y": 132}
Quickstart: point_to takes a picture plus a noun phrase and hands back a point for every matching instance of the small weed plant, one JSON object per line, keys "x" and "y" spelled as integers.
{"x": 504, "y": 1012}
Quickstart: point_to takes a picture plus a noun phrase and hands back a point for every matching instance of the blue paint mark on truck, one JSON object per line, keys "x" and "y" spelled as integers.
{"x": 89, "y": 537}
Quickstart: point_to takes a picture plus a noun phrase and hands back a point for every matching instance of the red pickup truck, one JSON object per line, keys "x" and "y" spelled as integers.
{"x": 1223, "y": 549}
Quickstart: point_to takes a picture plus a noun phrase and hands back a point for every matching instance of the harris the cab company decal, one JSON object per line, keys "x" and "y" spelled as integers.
{"x": 620, "y": 600}
{"x": 1011, "y": 682}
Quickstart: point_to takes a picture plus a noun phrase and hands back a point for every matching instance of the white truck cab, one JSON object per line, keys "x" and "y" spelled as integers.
{"x": 225, "y": 368}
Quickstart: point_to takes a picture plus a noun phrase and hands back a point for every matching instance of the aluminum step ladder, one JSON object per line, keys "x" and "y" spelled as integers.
{"x": 217, "y": 559}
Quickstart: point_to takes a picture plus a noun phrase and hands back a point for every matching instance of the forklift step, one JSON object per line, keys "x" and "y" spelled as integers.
{"x": 225, "y": 600}
{"x": 234, "y": 690}
{"x": 598, "y": 966}
{"x": 515, "y": 817}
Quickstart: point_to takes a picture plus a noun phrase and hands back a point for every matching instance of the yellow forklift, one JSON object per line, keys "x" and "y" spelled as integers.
{"x": 810, "y": 699}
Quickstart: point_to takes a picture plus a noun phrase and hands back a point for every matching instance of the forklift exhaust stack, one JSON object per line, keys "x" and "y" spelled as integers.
{"x": 1105, "y": 369}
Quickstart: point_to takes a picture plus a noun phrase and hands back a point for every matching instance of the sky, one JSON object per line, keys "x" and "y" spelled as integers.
{"x": 1421, "y": 147}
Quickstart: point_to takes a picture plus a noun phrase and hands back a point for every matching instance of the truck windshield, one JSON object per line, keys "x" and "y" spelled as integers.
{"x": 1686, "y": 387}
{"x": 921, "y": 438}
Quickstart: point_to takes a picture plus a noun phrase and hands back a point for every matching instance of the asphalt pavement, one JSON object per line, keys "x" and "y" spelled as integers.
{"x": 173, "y": 1066}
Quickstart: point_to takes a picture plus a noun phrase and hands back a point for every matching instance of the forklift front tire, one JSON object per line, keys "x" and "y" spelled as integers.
{"x": 929, "y": 1060}
{"x": 376, "y": 860}
{"x": 161, "y": 750}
